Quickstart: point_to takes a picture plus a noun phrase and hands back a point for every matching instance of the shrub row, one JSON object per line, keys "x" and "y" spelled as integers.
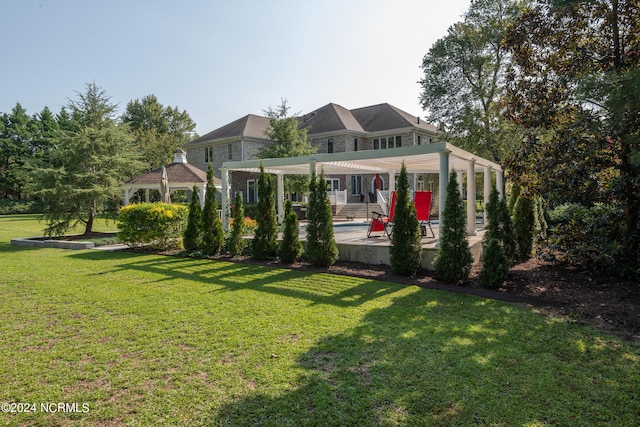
{"x": 158, "y": 224}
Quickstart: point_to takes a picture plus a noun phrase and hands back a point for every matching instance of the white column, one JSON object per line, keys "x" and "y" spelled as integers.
{"x": 202, "y": 195}
{"x": 460, "y": 179}
{"x": 487, "y": 190}
{"x": 500, "y": 182}
{"x": 471, "y": 197}
{"x": 444, "y": 180}
{"x": 146, "y": 195}
{"x": 225, "y": 199}
{"x": 312, "y": 166}
{"x": 126, "y": 196}
{"x": 280, "y": 197}
{"x": 392, "y": 183}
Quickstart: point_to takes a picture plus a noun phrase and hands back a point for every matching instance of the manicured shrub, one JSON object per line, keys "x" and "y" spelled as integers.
{"x": 236, "y": 242}
{"x": 290, "y": 248}
{"x": 453, "y": 260}
{"x": 495, "y": 265}
{"x": 212, "y": 235}
{"x": 500, "y": 225}
{"x": 265, "y": 243}
{"x": 321, "y": 249}
{"x": 192, "y": 238}
{"x": 523, "y": 224}
{"x": 158, "y": 224}
{"x": 406, "y": 248}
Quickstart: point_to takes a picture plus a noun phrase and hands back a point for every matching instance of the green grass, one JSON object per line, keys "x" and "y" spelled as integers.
{"x": 154, "y": 340}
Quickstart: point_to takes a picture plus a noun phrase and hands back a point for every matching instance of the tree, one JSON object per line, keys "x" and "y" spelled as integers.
{"x": 406, "y": 246}
{"x": 523, "y": 224}
{"x": 192, "y": 237}
{"x": 289, "y": 141}
{"x": 464, "y": 80}
{"x": 16, "y": 135}
{"x": 236, "y": 243}
{"x": 158, "y": 130}
{"x": 265, "y": 244}
{"x": 88, "y": 165}
{"x": 499, "y": 243}
{"x": 321, "y": 249}
{"x": 453, "y": 260}
{"x": 576, "y": 79}
{"x": 212, "y": 235}
{"x": 290, "y": 248}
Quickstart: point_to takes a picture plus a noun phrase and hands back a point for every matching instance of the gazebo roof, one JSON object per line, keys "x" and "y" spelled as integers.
{"x": 180, "y": 174}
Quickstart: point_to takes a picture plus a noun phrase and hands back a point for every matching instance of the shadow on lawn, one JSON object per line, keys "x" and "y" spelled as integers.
{"x": 437, "y": 359}
{"x": 319, "y": 288}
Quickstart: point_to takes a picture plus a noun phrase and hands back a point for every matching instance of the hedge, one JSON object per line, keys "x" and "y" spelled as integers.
{"x": 156, "y": 224}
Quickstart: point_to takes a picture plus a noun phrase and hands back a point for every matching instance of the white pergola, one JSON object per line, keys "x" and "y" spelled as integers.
{"x": 441, "y": 158}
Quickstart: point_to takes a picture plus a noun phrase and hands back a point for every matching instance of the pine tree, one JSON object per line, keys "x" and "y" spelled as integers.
{"x": 500, "y": 224}
{"x": 237, "y": 243}
{"x": 321, "y": 249}
{"x": 290, "y": 248}
{"x": 192, "y": 238}
{"x": 406, "y": 247}
{"x": 523, "y": 224}
{"x": 212, "y": 236}
{"x": 265, "y": 244}
{"x": 453, "y": 260}
{"x": 495, "y": 265}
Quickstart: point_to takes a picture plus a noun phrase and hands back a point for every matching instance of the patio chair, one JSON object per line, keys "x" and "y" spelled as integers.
{"x": 422, "y": 202}
{"x": 381, "y": 222}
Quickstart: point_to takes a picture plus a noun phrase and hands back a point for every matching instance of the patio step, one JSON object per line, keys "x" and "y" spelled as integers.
{"x": 356, "y": 210}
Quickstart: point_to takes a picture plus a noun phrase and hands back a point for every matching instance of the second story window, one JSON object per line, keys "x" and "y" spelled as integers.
{"x": 387, "y": 142}
{"x": 330, "y": 145}
{"x": 229, "y": 152}
{"x": 355, "y": 144}
{"x": 208, "y": 154}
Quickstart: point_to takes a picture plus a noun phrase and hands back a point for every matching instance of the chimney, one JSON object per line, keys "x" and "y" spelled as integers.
{"x": 180, "y": 156}
{"x": 418, "y": 119}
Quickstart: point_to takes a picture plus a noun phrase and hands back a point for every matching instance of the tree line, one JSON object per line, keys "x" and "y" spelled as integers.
{"x": 75, "y": 160}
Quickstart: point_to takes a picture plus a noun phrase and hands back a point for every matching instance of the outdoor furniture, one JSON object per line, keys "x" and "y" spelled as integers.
{"x": 381, "y": 222}
{"x": 422, "y": 202}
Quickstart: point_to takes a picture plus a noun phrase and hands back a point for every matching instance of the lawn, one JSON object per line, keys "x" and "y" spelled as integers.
{"x": 135, "y": 339}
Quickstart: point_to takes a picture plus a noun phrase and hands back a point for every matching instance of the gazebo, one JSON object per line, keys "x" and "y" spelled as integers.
{"x": 181, "y": 176}
{"x": 441, "y": 158}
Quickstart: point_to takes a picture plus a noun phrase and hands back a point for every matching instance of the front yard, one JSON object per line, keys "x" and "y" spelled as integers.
{"x": 154, "y": 340}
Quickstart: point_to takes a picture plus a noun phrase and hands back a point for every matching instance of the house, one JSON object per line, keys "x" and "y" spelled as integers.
{"x": 332, "y": 129}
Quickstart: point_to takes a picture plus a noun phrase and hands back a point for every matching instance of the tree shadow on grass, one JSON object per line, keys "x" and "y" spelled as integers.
{"x": 433, "y": 358}
{"x": 317, "y": 288}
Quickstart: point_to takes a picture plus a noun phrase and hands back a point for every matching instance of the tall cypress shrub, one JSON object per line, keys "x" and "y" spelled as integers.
{"x": 495, "y": 262}
{"x": 406, "y": 248}
{"x": 192, "y": 233}
{"x": 212, "y": 236}
{"x": 236, "y": 242}
{"x": 523, "y": 224}
{"x": 265, "y": 244}
{"x": 453, "y": 260}
{"x": 500, "y": 225}
{"x": 290, "y": 248}
{"x": 321, "y": 249}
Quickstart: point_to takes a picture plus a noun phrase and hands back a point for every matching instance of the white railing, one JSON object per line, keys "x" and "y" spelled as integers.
{"x": 337, "y": 197}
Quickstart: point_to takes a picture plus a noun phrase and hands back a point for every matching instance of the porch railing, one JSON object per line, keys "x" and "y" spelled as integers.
{"x": 337, "y": 197}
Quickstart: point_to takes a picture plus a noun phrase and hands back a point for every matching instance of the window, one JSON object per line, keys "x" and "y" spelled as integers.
{"x": 330, "y": 145}
{"x": 252, "y": 191}
{"x": 355, "y": 144}
{"x": 356, "y": 185}
{"x": 387, "y": 142}
{"x": 229, "y": 152}
{"x": 208, "y": 154}
{"x": 333, "y": 184}
{"x": 419, "y": 139}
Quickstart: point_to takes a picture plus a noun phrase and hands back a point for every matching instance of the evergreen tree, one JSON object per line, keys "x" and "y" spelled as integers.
{"x": 212, "y": 236}
{"x": 495, "y": 266}
{"x": 237, "y": 243}
{"x": 321, "y": 249}
{"x": 500, "y": 224}
{"x": 406, "y": 247}
{"x": 290, "y": 248}
{"x": 453, "y": 260}
{"x": 265, "y": 244}
{"x": 192, "y": 238}
{"x": 523, "y": 224}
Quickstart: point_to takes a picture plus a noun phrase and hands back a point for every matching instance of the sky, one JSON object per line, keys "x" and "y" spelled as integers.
{"x": 220, "y": 60}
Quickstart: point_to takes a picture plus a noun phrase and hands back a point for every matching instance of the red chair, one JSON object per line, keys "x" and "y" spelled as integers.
{"x": 381, "y": 222}
{"x": 422, "y": 202}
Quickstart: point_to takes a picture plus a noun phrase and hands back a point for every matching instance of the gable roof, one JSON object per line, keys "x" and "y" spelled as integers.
{"x": 176, "y": 173}
{"x": 249, "y": 125}
{"x": 329, "y": 118}
{"x": 385, "y": 117}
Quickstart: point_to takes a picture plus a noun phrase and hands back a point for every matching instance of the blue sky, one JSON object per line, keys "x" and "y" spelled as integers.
{"x": 220, "y": 60}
